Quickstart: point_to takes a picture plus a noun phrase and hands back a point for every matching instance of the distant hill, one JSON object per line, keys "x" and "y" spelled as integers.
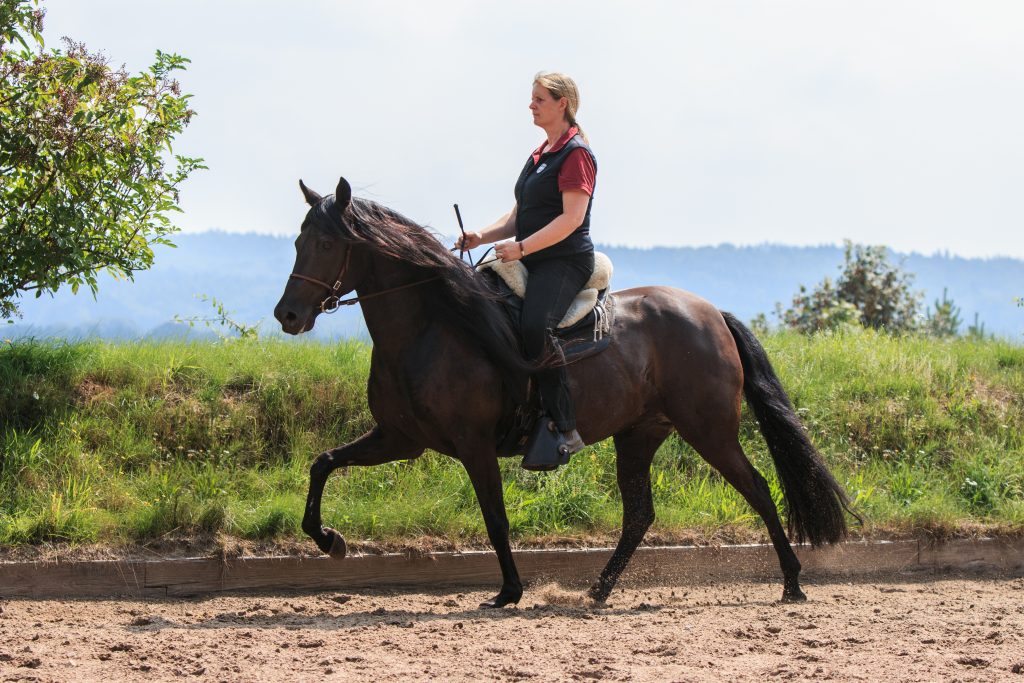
{"x": 248, "y": 274}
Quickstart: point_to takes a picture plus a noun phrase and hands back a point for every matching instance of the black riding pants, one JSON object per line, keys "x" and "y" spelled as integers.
{"x": 550, "y": 289}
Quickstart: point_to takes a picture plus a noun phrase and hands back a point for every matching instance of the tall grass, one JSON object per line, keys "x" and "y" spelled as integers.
{"x": 126, "y": 443}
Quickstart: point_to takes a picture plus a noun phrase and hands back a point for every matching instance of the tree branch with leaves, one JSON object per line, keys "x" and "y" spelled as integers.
{"x": 88, "y": 174}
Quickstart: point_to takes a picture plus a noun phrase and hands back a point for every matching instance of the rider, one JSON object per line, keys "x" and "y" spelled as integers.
{"x": 551, "y": 225}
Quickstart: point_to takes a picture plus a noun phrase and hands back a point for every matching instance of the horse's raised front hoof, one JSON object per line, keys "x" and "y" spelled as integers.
{"x": 338, "y": 548}
{"x": 501, "y": 599}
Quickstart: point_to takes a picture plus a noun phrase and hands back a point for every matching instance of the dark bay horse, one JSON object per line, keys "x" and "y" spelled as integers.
{"x": 446, "y": 373}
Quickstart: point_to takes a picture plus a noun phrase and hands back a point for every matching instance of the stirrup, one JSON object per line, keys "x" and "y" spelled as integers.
{"x": 572, "y": 442}
{"x": 546, "y": 449}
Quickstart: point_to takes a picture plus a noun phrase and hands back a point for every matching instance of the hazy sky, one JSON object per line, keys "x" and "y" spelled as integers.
{"x": 745, "y": 122}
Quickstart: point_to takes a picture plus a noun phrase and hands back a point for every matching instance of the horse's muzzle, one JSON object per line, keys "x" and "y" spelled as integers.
{"x": 293, "y": 322}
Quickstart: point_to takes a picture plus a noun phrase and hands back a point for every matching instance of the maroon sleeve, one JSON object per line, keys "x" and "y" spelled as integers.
{"x": 577, "y": 172}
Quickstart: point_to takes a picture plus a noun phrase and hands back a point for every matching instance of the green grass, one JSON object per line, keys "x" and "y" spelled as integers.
{"x": 127, "y": 443}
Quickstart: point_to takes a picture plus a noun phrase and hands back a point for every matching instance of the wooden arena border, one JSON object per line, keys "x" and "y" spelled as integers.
{"x": 678, "y": 565}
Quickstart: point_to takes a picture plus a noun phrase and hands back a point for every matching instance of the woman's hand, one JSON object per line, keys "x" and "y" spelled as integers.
{"x": 471, "y": 240}
{"x": 509, "y": 251}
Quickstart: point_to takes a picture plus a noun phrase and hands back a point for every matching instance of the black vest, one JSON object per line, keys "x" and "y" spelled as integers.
{"x": 538, "y": 202}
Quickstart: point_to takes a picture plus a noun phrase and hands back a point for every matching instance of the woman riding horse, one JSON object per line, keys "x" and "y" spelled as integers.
{"x": 551, "y": 225}
{"x": 447, "y": 372}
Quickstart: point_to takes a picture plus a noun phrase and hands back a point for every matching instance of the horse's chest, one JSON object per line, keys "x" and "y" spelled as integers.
{"x": 399, "y": 395}
{"x": 429, "y": 397}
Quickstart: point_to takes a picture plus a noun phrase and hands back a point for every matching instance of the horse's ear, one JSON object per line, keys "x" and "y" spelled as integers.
{"x": 312, "y": 198}
{"x": 342, "y": 195}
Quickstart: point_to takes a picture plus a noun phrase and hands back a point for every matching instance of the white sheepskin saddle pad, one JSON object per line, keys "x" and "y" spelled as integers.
{"x": 514, "y": 275}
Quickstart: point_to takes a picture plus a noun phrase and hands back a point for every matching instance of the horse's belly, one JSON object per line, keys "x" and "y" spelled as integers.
{"x": 664, "y": 340}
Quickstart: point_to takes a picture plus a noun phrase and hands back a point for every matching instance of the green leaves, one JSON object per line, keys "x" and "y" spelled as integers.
{"x": 223, "y": 320}
{"x": 87, "y": 170}
{"x": 870, "y": 291}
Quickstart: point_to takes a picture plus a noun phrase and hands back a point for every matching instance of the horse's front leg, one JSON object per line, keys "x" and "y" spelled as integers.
{"x": 372, "y": 448}
{"x": 482, "y": 467}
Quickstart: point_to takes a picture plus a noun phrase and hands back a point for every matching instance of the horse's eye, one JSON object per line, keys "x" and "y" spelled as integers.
{"x": 326, "y": 245}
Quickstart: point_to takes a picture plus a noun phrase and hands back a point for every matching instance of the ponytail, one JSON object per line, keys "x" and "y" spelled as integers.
{"x": 579, "y": 129}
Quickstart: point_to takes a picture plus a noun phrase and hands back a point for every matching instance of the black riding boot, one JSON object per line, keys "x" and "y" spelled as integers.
{"x": 551, "y": 287}
{"x": 548, "y": 448}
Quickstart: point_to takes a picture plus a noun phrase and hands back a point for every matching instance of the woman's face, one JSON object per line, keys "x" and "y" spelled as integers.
{"x": 547, "y": 111}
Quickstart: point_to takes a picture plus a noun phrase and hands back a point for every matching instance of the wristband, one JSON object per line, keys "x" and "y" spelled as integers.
{"x": 522, "y": 250}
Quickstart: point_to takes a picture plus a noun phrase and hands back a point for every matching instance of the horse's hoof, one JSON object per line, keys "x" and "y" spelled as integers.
{"x": 500, "y": 600}
{"x": 794, "y": 596}
{"x": 338, "y": 548}
{"x": 597, "y": 595}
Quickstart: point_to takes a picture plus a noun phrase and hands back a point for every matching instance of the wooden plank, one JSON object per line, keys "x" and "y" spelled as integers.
{"x": 849, "y": 559}
{"x": 666, "y": 566}
{"x": 183, "y": 577}
{"x": 650, "y": 566}
{"x": 691, "y": 564}
{"x": 82, "y": 579}
{"x": 1004, "y": 554}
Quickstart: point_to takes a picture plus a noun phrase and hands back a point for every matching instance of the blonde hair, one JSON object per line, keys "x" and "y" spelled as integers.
{"x": 559, "y": 85}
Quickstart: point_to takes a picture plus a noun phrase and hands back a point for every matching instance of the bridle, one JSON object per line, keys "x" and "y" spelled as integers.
{"x": 333, "y": 302}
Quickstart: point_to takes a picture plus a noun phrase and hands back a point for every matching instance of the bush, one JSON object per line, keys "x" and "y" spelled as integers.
{"x": 870, "y": 291}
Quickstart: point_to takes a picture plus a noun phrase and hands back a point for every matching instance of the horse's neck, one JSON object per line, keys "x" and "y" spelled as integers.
{"x": 393, "y": 318}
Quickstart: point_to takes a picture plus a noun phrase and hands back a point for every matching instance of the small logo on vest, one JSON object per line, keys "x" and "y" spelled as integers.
{"x": 540, "y": 169}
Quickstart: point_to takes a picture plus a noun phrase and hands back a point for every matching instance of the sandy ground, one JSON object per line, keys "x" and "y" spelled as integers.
{"x": 923, "y": 628}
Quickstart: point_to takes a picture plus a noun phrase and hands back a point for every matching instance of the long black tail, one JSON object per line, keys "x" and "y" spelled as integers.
{"x": 815, "y": 501}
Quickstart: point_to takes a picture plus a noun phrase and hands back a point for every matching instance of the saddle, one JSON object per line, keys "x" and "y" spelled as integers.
{"x": 584, "y": 331}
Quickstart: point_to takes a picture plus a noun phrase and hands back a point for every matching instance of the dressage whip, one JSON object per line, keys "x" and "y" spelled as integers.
{"x": 458, "y": 215}
{"x": 462, "y": 249}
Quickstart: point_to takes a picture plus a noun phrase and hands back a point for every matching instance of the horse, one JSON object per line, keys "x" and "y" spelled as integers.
{"x": 446, "y": 372}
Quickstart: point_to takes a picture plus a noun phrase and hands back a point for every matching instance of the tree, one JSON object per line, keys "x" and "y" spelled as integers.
{"x": 87, "y": 171}
{"x": 945, "y": 320}
{"x": 976, "y": 330}
{"x": 819, "y": 310}
{"x": 869, "y": 291}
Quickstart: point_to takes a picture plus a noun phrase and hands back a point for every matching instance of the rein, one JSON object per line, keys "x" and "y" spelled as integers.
{"x": 333, "y": 302}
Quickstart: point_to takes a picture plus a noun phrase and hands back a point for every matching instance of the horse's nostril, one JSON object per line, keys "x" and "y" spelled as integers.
{"x": 290, "y": 317}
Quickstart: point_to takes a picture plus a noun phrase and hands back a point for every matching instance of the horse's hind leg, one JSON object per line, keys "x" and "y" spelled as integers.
{"x": 635, "y": 449}
{"x": 726, "y": 455}
{"x": 372, "y": 448}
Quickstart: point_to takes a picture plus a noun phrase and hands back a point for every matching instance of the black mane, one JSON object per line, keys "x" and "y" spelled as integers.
{"x": 473, "y": 303}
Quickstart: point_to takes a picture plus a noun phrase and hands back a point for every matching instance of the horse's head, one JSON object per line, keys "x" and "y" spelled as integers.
{"x": 324, "y": 269}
